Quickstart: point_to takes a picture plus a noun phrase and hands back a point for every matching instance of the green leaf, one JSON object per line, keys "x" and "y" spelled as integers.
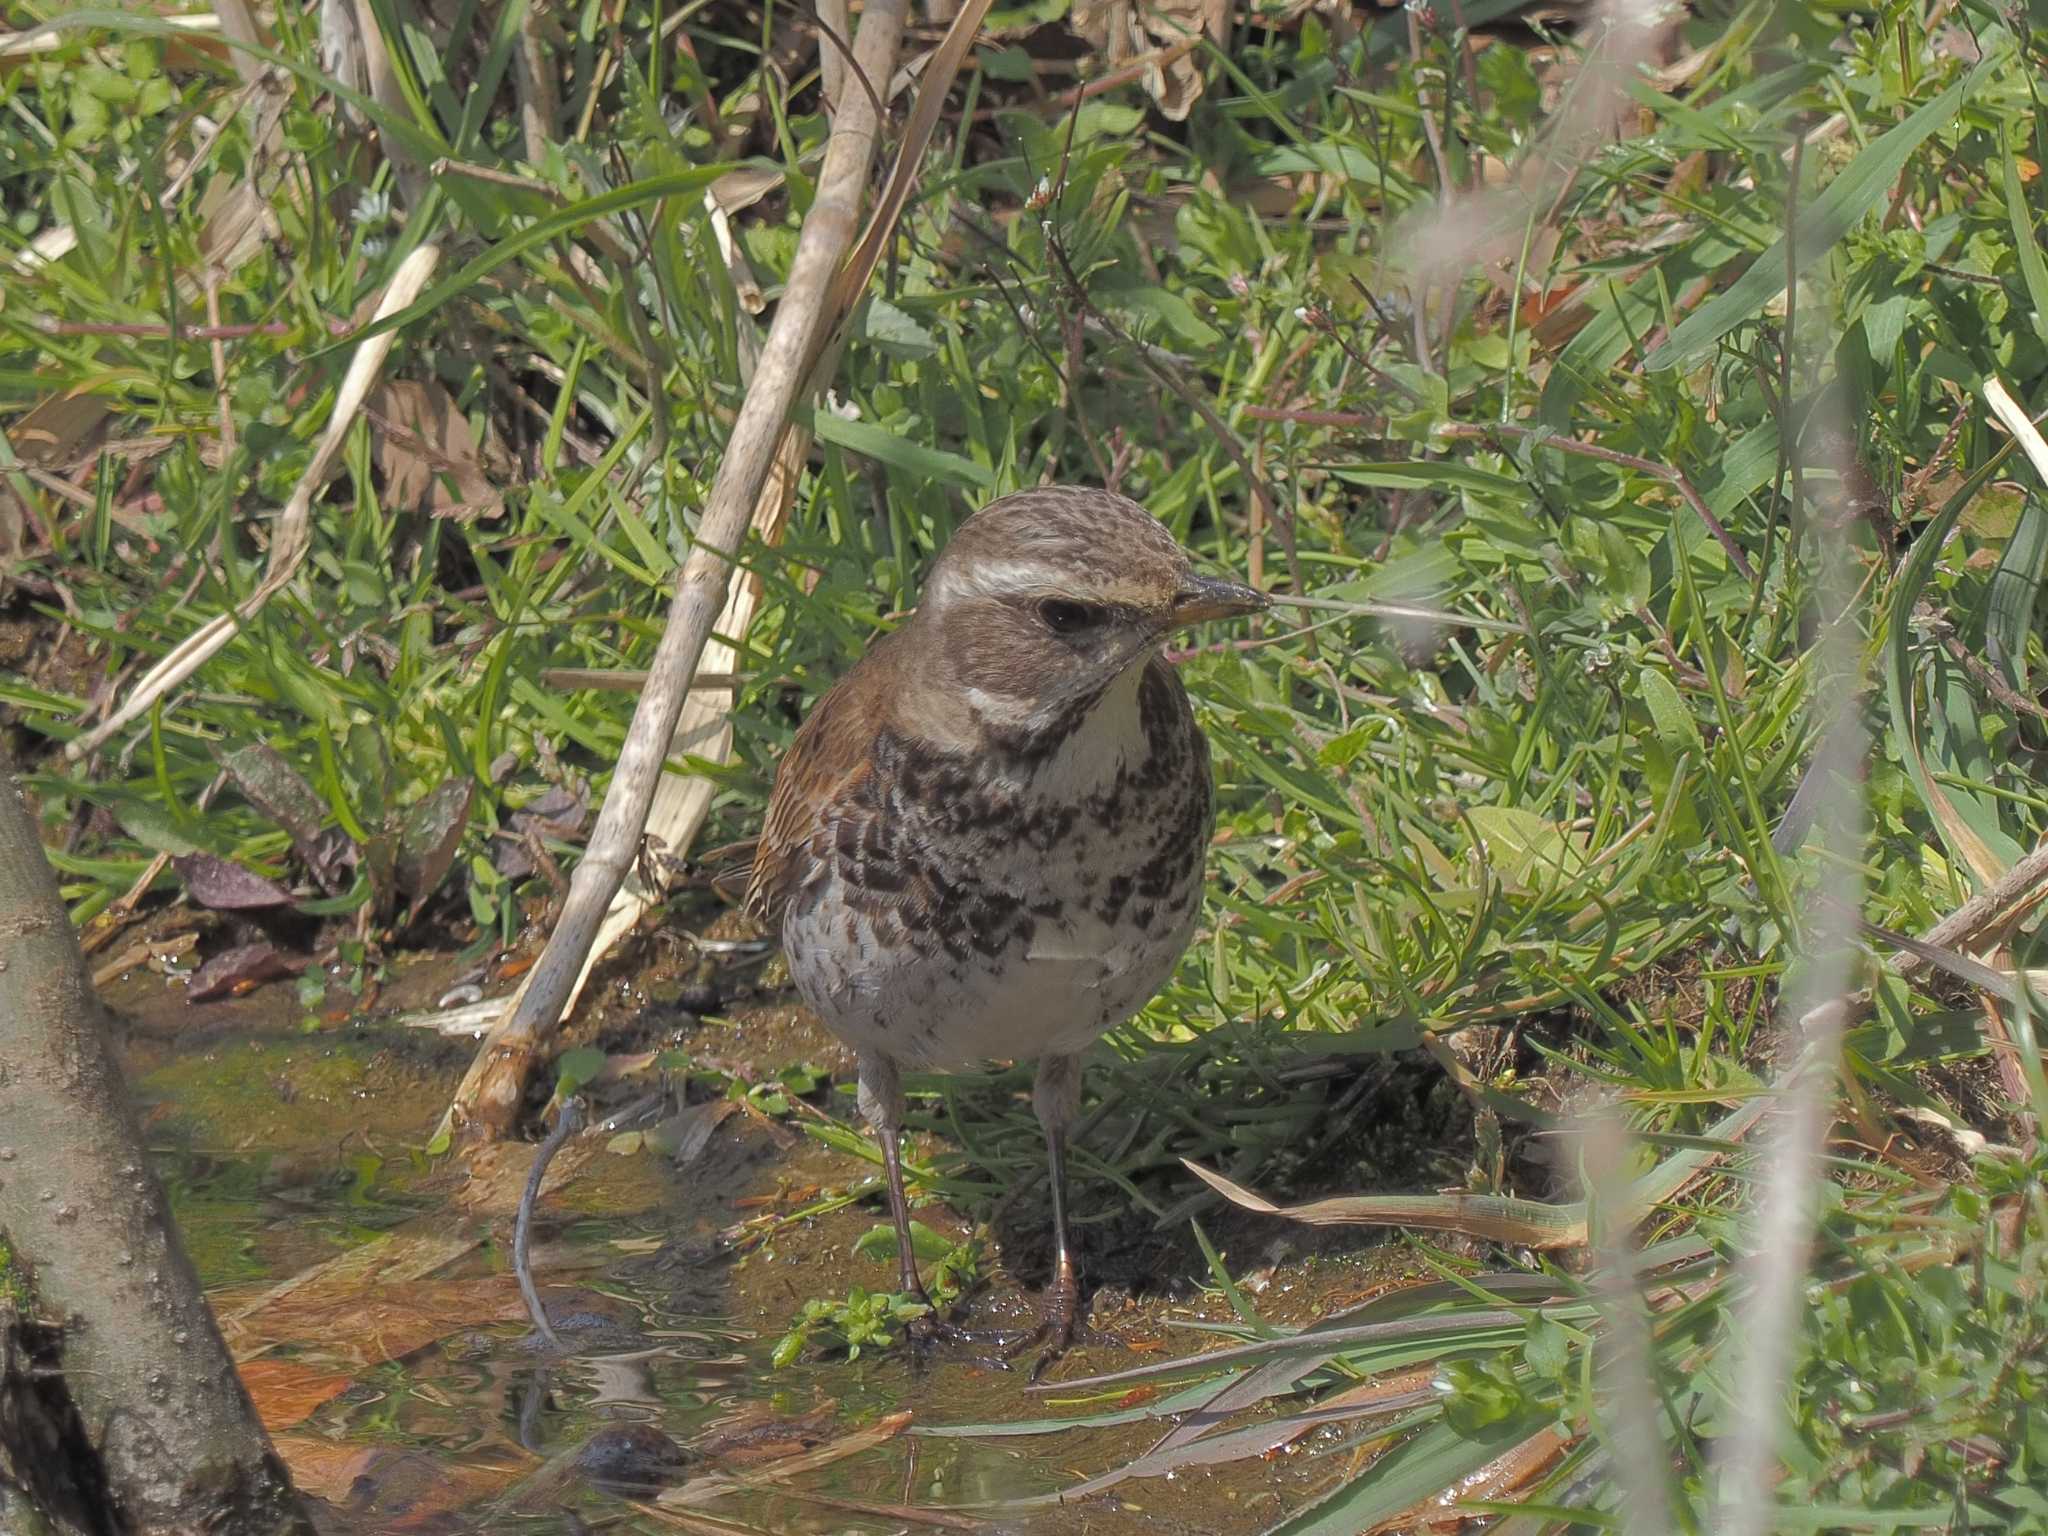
{"x": 898, "y": 452}
{"x": 891, "y": 328}
{"x": 2032, "y": 267}
{"x": 1865, "y": 183}
{"x": 2015, "y": 589}
{"x": 638, "y": 194}
{"x": 1525, "y": 849}
{"x": 879, "y": 1242}
{"x": 1169, "y": 309}
{"x": 156, "y": 828}
{"x": 575, "y": 1068}
{"x": 1674, "y": 723}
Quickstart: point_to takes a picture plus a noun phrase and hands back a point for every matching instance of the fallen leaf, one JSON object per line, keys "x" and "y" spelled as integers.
{"x": 430, "y": 835}
{"x": 226, "y": 886}
{"x": 427, "y": 456}
{"x": 388, "y": 1322}
{"x": 685, "y": 1135}
{"x": 498, "y": 1170}
{"x": 240, "y": 970}
{"x": 758, "y": 1434}
{"x": 278, "y": 790}
{"x": 702, "y": 1490}
{"x": 286, "y": 1392}
{"x": 557, "y": 816}
{"x": 1162, "y": 37}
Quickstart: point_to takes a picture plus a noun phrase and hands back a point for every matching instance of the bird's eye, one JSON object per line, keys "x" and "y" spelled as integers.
{"x": 1065, "y": 618}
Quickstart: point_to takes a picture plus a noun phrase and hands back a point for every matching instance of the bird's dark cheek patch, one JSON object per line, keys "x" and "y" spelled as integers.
{"x": 1003, "y": 653}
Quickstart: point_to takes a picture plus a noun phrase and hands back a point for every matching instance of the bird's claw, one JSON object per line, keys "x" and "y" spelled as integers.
{"x": 1059, "y": 1330}
{"x": 983, "y": 1346}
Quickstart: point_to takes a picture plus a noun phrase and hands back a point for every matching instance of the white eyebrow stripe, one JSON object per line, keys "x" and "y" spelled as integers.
{"x": 1008, "y": 577}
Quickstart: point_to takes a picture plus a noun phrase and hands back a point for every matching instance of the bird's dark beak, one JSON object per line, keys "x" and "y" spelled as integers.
{"x": 1210, "y": 597}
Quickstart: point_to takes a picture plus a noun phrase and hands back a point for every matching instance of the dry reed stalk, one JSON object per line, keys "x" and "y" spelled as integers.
{"x": 487, "y": 1101}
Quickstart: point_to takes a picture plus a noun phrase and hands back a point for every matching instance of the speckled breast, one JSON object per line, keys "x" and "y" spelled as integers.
{"x": 1008, "y": 908}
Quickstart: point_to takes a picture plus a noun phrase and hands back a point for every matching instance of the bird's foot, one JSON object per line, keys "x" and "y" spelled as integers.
{"x": 1060, "y": 1327}
{"x": 977, "y": 1346}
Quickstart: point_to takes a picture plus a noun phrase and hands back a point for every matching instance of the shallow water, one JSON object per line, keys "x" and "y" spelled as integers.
{"x": 367, "y": 1291}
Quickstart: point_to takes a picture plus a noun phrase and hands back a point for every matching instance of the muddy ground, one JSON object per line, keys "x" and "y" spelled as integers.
{"x": 366, "y": 1286}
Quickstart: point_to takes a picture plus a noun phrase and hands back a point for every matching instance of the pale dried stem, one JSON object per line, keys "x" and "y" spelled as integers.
{"x": 831, "y": 62}
{"x": 534, "y": 83}
{"x": 218, "y": 348}
{"x": 1763, "y": 1326}
{"x": 488, "y": 1099}
{"x": 704, "y": 728}
{"x": 1990, "y": 912}
{"x": 1993, "y": 910}
{"x": 238, "y": 26}
{"x": 1623, "y": 1364}
{"x": 386, "y": 92}
{"x": 292, "y": 536}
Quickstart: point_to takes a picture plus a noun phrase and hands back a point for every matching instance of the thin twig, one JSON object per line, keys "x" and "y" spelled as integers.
{"x": 1990, "y": 911}
{"x": 1281, "y": 521}
{"x": 1986, "y": 678}
{"x": 1308, "y": 418}
{"x": 1668, "y": 473}
{"x": 568, "y": 1121}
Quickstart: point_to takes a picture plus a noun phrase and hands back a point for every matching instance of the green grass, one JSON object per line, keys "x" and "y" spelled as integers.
{"x": 1558, "y": 806}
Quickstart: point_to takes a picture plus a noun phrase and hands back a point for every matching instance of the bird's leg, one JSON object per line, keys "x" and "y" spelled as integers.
{"x": 881, "y": 1103}
{"x": 1057, "y": 1096}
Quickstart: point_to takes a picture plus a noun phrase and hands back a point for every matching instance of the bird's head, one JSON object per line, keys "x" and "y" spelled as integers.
{"x": 1043, "y": 599}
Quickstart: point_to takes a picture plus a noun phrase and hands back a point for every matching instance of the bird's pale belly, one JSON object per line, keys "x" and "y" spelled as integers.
{"x": 1051, "y": 984}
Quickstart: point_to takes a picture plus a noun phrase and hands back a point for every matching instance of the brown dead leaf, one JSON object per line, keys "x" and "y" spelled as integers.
{"x": 240, "y": 970}
{"x": 386, "y": 1489}
{"x": 225, "y": 885}
{"x": 286, "y": 1392}
{"x": 498, "y": 1170}
{"x": 702, "y": 1490}
{"x": 1499, "y": 1479}
{"x": 426, "y": 455}
{"x": 757, "y": 1434}
{"x": 379, "y": 1302}
{"x": 395, "y": 1259}
{"x": 1159, "y": 38}
{"x": 390, "y": 1323}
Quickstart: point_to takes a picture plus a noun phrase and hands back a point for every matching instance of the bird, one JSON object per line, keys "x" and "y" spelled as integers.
{"x": 986, "y": 841}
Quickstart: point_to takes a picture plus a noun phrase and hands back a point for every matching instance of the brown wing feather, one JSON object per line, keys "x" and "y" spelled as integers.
{"x": 825, "y": 764}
